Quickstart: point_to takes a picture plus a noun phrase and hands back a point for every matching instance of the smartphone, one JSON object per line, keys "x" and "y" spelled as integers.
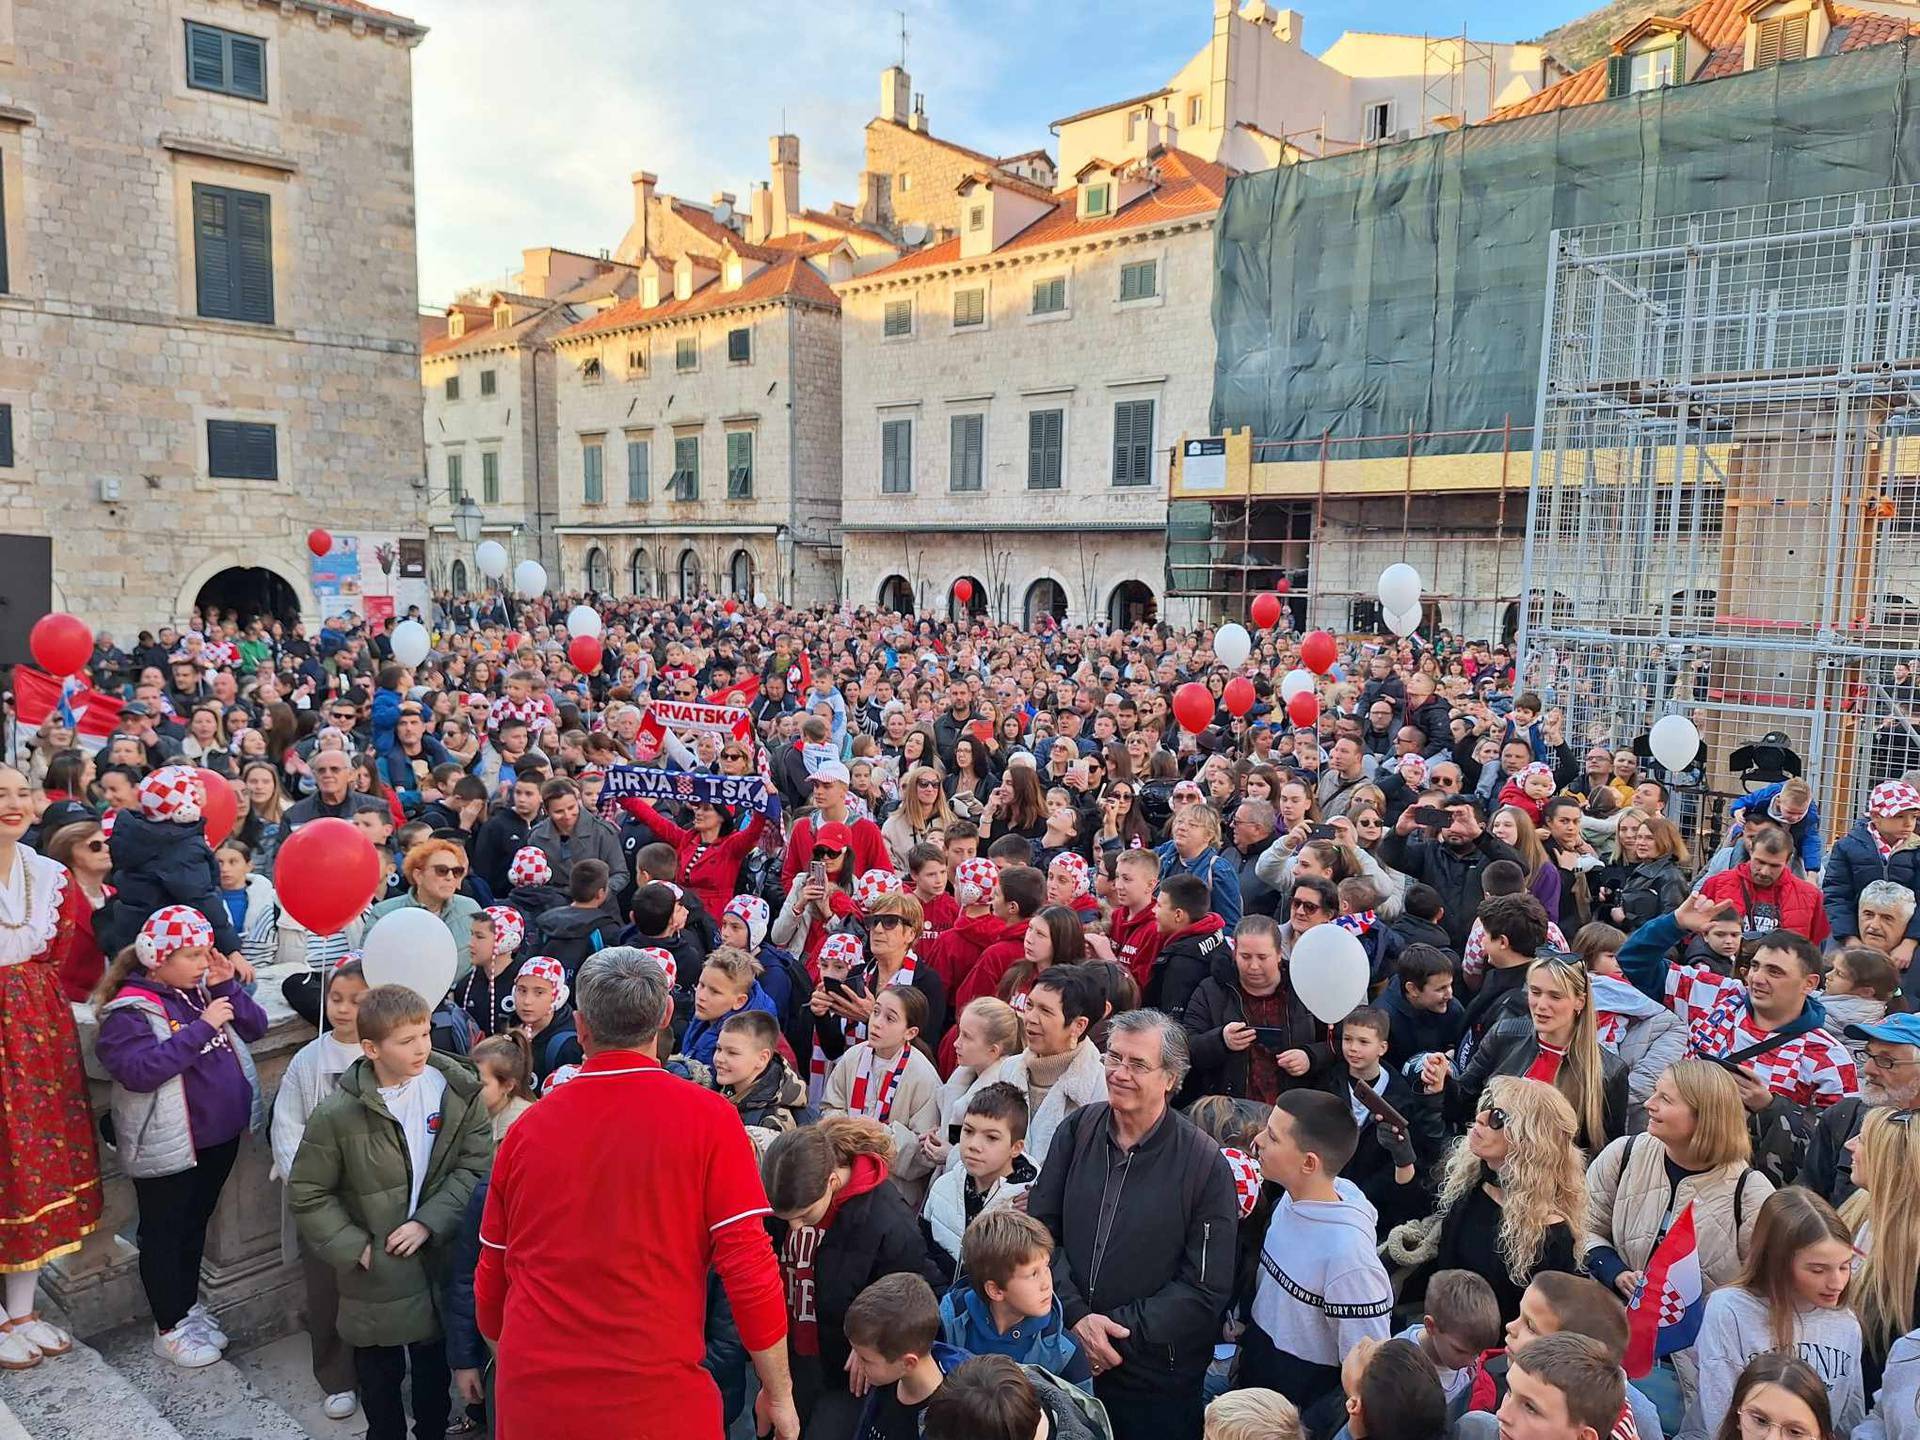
{"x": 1370, "y": 1100}
{"x": 1273, "y": 1037}
{"x": 817, "y": 873}
{"x": 953, "y": 1134}
{"x": 1431, "y": 815}
{"x": 1322, "y": 832}
{"x": 836, "y": 986}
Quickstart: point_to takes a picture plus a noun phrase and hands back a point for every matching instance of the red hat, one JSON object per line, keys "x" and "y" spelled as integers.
{"x": 833, "y": 836}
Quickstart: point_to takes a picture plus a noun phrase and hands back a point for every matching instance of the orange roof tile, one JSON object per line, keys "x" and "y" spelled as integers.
{"x": 1720, "y": 25}
{"x": 703, "y": 221}
{"x": 1188, "y": 186}
{"x": 791, "y": 278}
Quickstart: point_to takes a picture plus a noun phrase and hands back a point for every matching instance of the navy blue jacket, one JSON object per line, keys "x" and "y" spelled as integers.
{"x": 1852, "y": 865}
{"x": 399, "y": 768}
{"x": 157, "y": 863}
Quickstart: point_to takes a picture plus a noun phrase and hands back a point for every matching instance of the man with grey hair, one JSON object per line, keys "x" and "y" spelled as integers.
{"x": 1254, "y": 827}
{"x": 610, "y": 1203}
{"x": 1889, "y": 1077}
{"x": 1141, "y": 1206}
{"x": 1882, "y": 913}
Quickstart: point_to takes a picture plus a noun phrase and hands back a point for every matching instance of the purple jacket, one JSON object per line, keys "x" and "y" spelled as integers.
{"x": 218, "y": 1092}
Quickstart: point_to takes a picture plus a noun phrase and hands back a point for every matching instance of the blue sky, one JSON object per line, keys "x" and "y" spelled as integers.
{"x": 531, "y": 114}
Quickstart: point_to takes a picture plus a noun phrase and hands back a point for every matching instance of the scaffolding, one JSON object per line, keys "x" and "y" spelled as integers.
{"x": 1726, "y": 492}
{"x": 1458, "y": 81}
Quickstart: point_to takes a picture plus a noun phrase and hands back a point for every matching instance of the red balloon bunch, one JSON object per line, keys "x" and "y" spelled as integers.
{"x": 1318, "y": 652}
{"x": 1193, "y": 707}
{"x": 217, "y": 805}
{"x": 1304, "y": 709}
{"x": 1239, "y": 695}
{"x": 1265, "y": 611}
{"x": 585, "y": 651}
{"x": 730, "y": 605}
{"x": 61, "y": 643}
{"x": 325, "y": 874}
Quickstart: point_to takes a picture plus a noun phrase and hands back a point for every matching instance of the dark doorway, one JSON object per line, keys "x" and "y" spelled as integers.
{"x": 26, "y": 591}
{"x": 252, "y": 593}
{"x": 1131, "y": 604}
{"x": 896, "y": 595}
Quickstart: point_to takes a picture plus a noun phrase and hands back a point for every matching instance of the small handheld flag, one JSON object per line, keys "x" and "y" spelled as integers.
{"x": 1664, "y": 1314}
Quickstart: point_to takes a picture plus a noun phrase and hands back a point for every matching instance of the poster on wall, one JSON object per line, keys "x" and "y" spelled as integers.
{"x": 335, "y": 577}
{"x": 373, "y": 576}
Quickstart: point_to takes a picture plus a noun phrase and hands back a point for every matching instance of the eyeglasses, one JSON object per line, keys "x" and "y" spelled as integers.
{"x": 95, "y": 846}
{"x": 1756, "y": 1425}
{"x": 448, "y": 872}
{"x": 1495, "y": 1117}
{"x": 1132, "y": 1064}
{"x": 1879, "y": 1060}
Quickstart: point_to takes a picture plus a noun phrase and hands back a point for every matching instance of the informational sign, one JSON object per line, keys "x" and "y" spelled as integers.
{"x": 336, "y": 577}
{"x": 372, "y": 576}
{"x": 1203, "y": 463}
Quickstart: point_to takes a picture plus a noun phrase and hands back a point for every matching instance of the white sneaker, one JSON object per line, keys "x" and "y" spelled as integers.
{"x": 201, "y": 1320}
{"x": 47, "y": 1338}
{"x": 339, "y": 1406}
{"x": 17, "y": 1352}
{"x": 185, "y": 1347}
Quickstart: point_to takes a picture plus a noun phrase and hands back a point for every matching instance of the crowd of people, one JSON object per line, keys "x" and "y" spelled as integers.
{"x": 885, "y": 1027}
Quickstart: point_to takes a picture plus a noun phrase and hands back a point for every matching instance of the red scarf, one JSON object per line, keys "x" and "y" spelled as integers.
{"x": 1546, "y": 1065}
{"x": 883, "y": 1105}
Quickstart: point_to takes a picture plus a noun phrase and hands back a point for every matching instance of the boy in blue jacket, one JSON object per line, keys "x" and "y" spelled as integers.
{"x": 1006, "y": 1305}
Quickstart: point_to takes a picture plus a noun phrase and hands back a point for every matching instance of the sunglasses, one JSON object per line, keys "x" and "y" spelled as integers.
{"x": 926, "y": 784}
{"x": 1309, "y": 906}
{"x": 95, "y": 846}
{"x": 887, "y": 922}
{"x": 827, "y": 852}
{"x": 448, "y": 872}
{"x": 1495, "y": 1117}
{"x": 731, "y": 755}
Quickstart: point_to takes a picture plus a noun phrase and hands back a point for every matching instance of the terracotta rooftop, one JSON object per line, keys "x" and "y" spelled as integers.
{"x": 1721, "y": 26}
{"x": 790, "y": 278}
{"x": 1188, "y": 186}
{"x": 702, "y": 220}
{"x": 483, "y": 334}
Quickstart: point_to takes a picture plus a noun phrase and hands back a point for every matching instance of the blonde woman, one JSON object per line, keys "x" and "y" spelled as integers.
{"x": 1512, "y": 1190}
{"x": 1556, "y": 1042}
{"x": 921, "y": 818}
{"x": 1884, "y": 1215}
{"x": 986, "y": 1039}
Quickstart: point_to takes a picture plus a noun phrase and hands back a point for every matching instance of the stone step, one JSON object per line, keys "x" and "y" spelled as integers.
{"x": 79, "y": 1396}
{"x": 216, "y": 1402}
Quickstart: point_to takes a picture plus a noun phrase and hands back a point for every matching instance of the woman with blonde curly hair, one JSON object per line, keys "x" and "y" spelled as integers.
{"x": 1512, "y": 1189}
{"x": 922, "y": 816}
{"x": 434, "y": 871}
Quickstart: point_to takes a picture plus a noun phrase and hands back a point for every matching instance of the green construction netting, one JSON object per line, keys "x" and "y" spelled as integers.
{"x": 1402, "y": 287}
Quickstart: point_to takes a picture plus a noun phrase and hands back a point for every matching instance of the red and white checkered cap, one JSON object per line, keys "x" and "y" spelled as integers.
{"x": 1074, "y": 864}
{"x": 171, "y": 793}
{"x": 509, "y": 928}
{"x": 550, "y": 971}
{"x": 530, "y": 867}
{"x": 561, "y": 1075}
{"x": 1246, "y": 1178}
{"x": 872, "y": 885}
{"x": 841, "y": 949}
{"x": 752, "y": 912}
{"x": 1892, "y": 797}
{"x": 664, "y": 959}
{"x": 170, "y": 930}
{"x": 107, "y": 821}
{"x": 974, "y": 880}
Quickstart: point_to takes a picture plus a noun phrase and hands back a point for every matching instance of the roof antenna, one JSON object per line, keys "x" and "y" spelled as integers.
{"x": 903, "y": 37}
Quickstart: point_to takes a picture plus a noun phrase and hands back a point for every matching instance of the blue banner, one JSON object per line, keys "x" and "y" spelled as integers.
{"x": 683, "y": 787}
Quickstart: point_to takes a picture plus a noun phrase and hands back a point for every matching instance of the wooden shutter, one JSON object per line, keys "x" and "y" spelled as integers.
{"x": 239, "y": 450}
{"x": 247, "y": 66}
{"x": 739, "y": 465}
{"x": 456, "y": 479}
{"x": 233, "y": 254}
{"x": 1043, "y": 449}
{"x": 206, "y": 57}
{"x": 490, "y": 476}
{"x": 1132, "y": 442}
{"x": 212, "y": 251}
{"x": 896, "y": 457}
{"x": 1782, "y": 38}
{"x": 6, "y": 437}
{"x": 1619, "y": 74}
{"x": 637, "y": 460}
{"x": 593, "y": 482}
{"x": 965, "y": 445}
{"x": 254, "y": 248}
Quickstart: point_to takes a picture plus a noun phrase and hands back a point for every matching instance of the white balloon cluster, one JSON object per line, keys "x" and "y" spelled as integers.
{"x": 1399, "y": 593}
{"x": 583, "y": 620}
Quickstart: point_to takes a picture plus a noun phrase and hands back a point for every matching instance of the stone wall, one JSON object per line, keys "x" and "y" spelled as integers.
{"x": 110, "y": 372}
{"x": 933, "y": 170}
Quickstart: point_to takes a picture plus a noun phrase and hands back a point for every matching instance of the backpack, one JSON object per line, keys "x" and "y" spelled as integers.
{"x": 1070, "y": 1397}
{"x": 796, "y": 1020}
{"x": 453, "y": 1029}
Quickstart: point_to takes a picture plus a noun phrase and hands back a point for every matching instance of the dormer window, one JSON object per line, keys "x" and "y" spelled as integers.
{"x": 456, "y": 325}
{"x": 1099, "y": 199}
{"x": 1784, "y": 37}
{"x": 1650, "y": 69}
{"x": 1651, "y": 57}
{"x": 502, "y": 317}
{"x": 976, "y": 217}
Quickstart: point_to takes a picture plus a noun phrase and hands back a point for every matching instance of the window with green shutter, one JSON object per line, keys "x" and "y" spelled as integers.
{"x": 242, "y": 450}
{"x": 1133, "y": 442}
{"x": 1046, "y": 430}
{"x": 453, "y": 387}
{"x": 896, "y": 457}
{"x": 968, "y": 440}
{"x": 233, "y": 254}
{"x": 740, "y": 346}
{"x": 489, "y": 382}
{"x": 226, "y": 63}
{"x": 593, "y": 478}
{"x": 897, "y": 319}
{"x": 456, "y": 478}
{"x": 969, "y": 308}
{"x": 685, "y": 484}
{"x": 739, "y": 465}
{"x": 490, "y": 477}
{"x": 1050, "y": 296}
{"x": 638, "y": 462}
{"x": 686, "y": 354}
{"x": 6, "y": 437}
{"x": 1139, "y": 280}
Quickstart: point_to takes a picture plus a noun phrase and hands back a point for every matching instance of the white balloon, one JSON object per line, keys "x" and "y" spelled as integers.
{"x": 759, "y": 599}
{"x": 530, "y": 578}
{"x": 583, "y": 620}
{"x": 1674, "y": 741}
{"x": 491, "y": 557}
{"x": 1232, "y": 644}
{"x": 1404, "y": 622}
{"x": 1296, "y": 682}
{"x": 410, "y": 642}
{"x": 1328, "y": 968}
{"x": 410, "y": 947}
{"x": 1399, "y": 589}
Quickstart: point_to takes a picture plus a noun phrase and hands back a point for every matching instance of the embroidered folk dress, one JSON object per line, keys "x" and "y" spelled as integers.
{"x": 49, "y": 1174}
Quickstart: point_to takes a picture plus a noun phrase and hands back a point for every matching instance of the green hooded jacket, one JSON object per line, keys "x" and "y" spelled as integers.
{"x": 349, "y": 1189}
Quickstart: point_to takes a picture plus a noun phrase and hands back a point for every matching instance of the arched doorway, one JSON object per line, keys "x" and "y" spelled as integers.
{"x": 689, "y": 575}
{"x": 976, "y": 602}
{"x": 640, "y": 572}
{"x": 740, "y": 576}
{"x": 599, "y": 571}
{"x": 896, "y": 595}
{"x": 1130, "y": 604}
{"x": 1045, "y": 597}
{"x": 457, "y": 577}
{"x": 250, "y": 592}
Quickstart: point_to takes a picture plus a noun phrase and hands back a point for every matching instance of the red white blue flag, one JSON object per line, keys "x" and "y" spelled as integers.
{"x": 1664, "y": 1314}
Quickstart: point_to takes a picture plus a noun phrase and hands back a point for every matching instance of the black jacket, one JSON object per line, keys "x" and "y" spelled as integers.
{"x": 1183, "y": 962}
{"x": 790, "y": 778}
{"x": 1502, "y": 993}
{"x": 1256, "y": 896}
{"x": 495, "y": 844}
{"x": 1371, "y": 1167}
{"x": 1412, "y": 930}
{"x": 1415, "y": 1032}
{"x": 1649, "y": 888}
{"x": 1164, "y": 1266}
{"x": 1827, "y": 1168}
{"x": 1216, "y": 1004}
{"x": 1509, "y": 1048}
{"x": 1435, "y": 719}
{"x": 570, "y": 934}
{"x": 157, "y": 863}
{"x": 1454, "y": 873}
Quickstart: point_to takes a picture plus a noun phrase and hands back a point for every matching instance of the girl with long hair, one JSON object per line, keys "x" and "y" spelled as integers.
{"x": 1512, "y": 826}
{"x": 1017, "y": 807}
{"x": 1779, "y": 1394}
{"x": 1123, "y": 825}
{"x": 972, "y": 777}
{"x": 1884, "y": 1215}
{"x": 1790, "y": 1295}
{"x": 1055, "y": 936}
{"x": 922, "y": 817}
{"x": 505, "y": 1066}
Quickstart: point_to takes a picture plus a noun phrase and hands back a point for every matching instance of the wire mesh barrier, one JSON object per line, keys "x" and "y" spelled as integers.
{"x": 1726, "y": 488}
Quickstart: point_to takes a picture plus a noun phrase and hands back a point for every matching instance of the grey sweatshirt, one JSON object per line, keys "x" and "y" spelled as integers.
{"x": 1735, "y": 1329}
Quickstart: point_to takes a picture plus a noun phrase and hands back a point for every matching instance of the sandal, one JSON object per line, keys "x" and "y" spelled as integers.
{"x": 44, "y": 1336}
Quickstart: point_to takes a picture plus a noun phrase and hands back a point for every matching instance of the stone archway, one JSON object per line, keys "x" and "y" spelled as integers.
{"x": 197, "y": 579}
{"x": 250, "y": 591}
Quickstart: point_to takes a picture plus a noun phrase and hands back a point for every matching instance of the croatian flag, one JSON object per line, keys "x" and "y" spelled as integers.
{"x": 1664, "y": 1315}
{"x": 38, "y": 697}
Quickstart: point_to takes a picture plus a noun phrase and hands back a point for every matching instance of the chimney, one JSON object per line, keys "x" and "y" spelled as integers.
{"x": 643, "y": 183}
{"x": 1290, "y": 26}
{"x": 723, "y": 202}
{"x": 876, "y": 199}
{"x": 784, "y": 151}
{"x": 895, "y": 85}
{"x": 917, "y": 122}
{"x": 760, "y": 221}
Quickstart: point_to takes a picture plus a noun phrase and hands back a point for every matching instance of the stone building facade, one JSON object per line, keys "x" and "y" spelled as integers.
{"x": 208, "y": 342}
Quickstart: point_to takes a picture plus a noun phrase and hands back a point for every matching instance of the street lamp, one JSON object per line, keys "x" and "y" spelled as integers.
{"x": 468, "y": 521}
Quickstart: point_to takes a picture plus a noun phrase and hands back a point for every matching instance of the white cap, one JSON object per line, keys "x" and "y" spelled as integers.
{"x": 831, "y": 770}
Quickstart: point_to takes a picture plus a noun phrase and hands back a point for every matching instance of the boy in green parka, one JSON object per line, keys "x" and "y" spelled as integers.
{"x": 378, "y": 1189}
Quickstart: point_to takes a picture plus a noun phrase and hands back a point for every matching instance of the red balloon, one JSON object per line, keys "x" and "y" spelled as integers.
{"x": 1304, "y": 709}
{"x": 730, "y": 605}
{"x": 1266, "y": 611}
{"x": 319, "y": 541}
{"x": 1317, "y": 652}
{"x": 1239, "y": 695}
{"x": 325, "y": 874}
{"x": 1193, "y": 707}
{"x": 585, "y": 652}
{"x": 217, "y": 804}
{"x": 1284, "y": 586}
{"x": 513, "y": 641}
{"x": 61, "y": 643}
{"x": 963, "y": 590}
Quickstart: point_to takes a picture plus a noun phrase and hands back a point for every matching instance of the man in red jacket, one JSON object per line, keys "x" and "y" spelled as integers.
{"x": 593, "y": 1269}
{"x": 1766, "y": 892}
{"x": 829, "y": 784}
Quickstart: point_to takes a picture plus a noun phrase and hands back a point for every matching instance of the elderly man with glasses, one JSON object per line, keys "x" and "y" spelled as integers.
{"x": 1889, "y": 1077}
{"x": 333, "y": 795}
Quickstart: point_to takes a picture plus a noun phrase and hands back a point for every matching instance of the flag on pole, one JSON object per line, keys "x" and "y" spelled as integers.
{"x": 1664, "y": 1314}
